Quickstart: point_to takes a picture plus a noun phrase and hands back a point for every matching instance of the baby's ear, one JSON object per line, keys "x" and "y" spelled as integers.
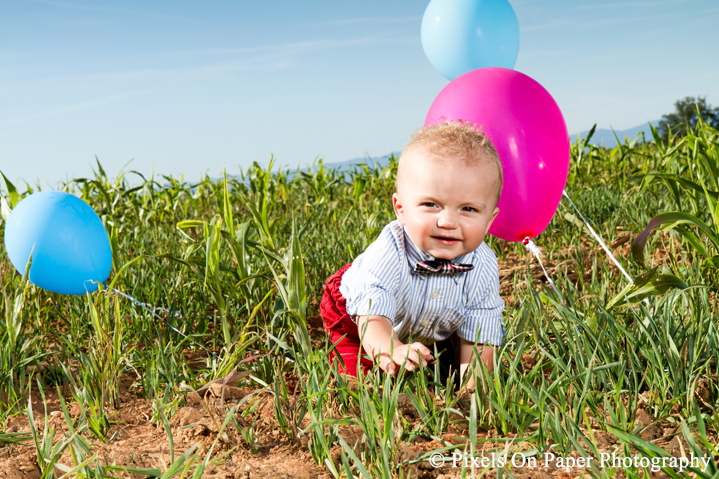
{"x": 398, "y": 209}
{"x": 494, "y": 215}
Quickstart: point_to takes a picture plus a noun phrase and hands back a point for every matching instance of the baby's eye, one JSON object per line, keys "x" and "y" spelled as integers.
{"x": 469, "y": 209}
{"x": 429, "y": 204}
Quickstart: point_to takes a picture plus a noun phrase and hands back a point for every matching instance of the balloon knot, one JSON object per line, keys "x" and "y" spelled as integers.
{"x": 531, "y": 247}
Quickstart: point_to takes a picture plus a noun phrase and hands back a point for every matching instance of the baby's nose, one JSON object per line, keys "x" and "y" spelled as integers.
{"x": 447, "y": 219}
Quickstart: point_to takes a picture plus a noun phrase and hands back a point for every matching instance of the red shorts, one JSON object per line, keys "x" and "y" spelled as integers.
{"x": 338, "y": 323}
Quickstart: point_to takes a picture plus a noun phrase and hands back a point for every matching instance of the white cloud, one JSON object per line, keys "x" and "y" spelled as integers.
{"x": 256, "y": 58}
{"x": 22, "y": 120}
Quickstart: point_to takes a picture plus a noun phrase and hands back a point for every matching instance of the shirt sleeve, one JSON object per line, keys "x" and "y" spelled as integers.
{"x": 370, "y": 285}
{"x": 484, "y": 310}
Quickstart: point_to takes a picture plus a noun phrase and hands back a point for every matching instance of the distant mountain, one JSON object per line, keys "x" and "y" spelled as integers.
{"x": 371, "y": 162}
{"x": 602, "y": 137}
{"x": 605, "y": 137}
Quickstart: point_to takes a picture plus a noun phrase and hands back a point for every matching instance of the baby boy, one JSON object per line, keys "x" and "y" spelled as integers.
{"x": 428, "y": 279}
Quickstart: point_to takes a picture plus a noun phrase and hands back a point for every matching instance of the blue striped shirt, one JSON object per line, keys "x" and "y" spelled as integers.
{"x": 425, "y": 308}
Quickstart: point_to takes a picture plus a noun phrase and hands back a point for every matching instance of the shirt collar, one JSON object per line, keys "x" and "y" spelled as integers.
{"x": 415, "y": 255}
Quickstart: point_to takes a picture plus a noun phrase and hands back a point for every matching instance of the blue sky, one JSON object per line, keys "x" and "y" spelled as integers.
{"x": 190, "y": 87}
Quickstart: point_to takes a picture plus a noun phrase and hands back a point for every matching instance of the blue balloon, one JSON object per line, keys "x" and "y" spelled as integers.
{"x": 68, "y": 242}
{"x": 459, "y": 36}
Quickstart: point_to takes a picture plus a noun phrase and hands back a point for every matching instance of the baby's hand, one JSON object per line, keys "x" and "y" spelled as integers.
{"x": 414, "y": 353}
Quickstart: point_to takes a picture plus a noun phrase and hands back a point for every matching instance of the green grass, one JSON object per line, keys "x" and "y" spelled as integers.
{"x": 240, "y": 263}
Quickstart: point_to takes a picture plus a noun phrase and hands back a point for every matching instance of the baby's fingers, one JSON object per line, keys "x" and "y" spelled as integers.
{"x": 416, "y": 359}
{"x": 422, "y": 351}
{"x": 413, "y": 360}
{"x": 408, "y": 360}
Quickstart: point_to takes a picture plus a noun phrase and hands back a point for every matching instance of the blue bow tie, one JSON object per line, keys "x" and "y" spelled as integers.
{"x": 441, "y": 266}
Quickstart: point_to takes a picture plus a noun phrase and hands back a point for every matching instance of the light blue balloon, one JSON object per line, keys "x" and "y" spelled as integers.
{"x": 459, "y": 36}
{"x": 69, "y": 245}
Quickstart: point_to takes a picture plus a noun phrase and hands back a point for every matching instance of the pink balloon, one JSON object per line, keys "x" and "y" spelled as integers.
{"x": 528, "y": 130}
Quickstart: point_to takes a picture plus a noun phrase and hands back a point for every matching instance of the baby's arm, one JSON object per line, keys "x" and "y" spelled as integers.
{"x": 467, "y": 356}
{"x": 380, "y": 339}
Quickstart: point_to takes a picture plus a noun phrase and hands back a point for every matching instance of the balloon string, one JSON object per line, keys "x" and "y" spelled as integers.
{"x": 532, "y": 248}
{"x": 152, "y": 310}
{"x": 596, "y": 236}
{"x": 599, "y": 240}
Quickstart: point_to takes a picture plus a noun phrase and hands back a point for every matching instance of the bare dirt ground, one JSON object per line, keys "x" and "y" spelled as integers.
{"x": 141, "y": 443}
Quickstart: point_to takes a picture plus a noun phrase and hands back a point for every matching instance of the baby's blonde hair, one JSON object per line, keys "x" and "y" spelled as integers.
{"x": 453, "y": 140}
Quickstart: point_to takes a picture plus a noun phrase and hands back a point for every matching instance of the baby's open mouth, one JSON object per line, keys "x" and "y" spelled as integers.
{"x": 446, "y": 240}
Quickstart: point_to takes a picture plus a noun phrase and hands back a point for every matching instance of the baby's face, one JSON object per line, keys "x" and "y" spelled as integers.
{"x": 446, "y": 206}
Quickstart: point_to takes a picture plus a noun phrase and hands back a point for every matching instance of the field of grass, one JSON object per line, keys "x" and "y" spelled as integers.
{"x": 100, "y": 386}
